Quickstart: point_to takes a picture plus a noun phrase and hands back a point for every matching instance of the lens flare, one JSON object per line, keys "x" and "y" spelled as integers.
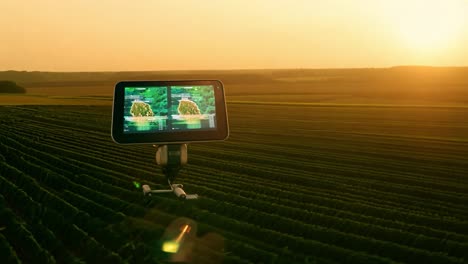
{"x": 172, "y": 246}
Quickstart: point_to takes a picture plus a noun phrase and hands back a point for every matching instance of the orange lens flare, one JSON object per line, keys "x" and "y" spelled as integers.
{"x": 172, "y": 246}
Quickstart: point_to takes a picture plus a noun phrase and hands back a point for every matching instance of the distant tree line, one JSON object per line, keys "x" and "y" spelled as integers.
{"x": 10, "y": 87}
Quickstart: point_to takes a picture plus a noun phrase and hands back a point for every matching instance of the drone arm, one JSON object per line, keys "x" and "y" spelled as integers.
{"x": 191, "y": 196}
{"x": 161, "y": 191}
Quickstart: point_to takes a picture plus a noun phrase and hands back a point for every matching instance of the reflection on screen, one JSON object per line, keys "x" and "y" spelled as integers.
{"x": 164, "y": 109}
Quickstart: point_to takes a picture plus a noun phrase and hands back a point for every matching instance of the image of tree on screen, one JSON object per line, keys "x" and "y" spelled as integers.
{"x": 192, "y": 107}
{"x": 146, "y": 108}
{"x": 187, "y": 107}
{"x": 140, "y": 108}
{"x": 195, "y": 100}
{"x": 148, "y": 101}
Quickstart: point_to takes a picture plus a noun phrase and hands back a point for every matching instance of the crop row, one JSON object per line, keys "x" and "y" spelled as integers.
{"x": 351, "y": 212}
{"x": 412, "y": 189}
{"x": 102, "y": 165}
{"x": 287, "y": 226}
{"x": 451, "y": 209}
{"x": 438, "y": 209}
{"x": 58, "y": 182}
{"x": 55, "y": 180}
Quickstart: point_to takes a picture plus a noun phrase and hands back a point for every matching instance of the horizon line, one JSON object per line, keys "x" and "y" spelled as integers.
{"x": 239, "y": 69}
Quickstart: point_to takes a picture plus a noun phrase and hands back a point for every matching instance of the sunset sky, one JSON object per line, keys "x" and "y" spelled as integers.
{"x": 118, "y": 35}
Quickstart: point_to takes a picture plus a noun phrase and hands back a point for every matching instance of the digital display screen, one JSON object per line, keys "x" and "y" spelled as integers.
{"x": 155, "y": 109}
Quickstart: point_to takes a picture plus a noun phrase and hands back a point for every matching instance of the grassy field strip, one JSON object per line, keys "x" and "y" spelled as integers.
{"x": 322, "y": 142}
{"x": 122, "y": 162}
{"x": 362, "y": 159}
{"x": 309, "y": 207}
{"x": 52, "y": 140}
{"x": 130, "y": 184}
{"x": 346, "y": 160}
{"x": 316, "y": 232}
{"x": 40, "y": 147}
{"x": 372, "y": 184}
{"x": 395, "y": 124}
{"x": 352, "y": 207}
{"x": 138, "y": 195}
{"x": 91, "y": 189}
{"x": 116, "y": 181}
{"x": 341, "y": 180}
{"x": 364, "y": 131}
{"x": 401, "y": 202}
{"x": 44, "y": 197}
{"x": 449, "y": 139}
{"x": 66, "y": 126}
{"x": 326, "y": 212}
{"x": 34, "y": 100}
{"x": 23, "y": 243}
{"x": 373, "y": 121}
{"x": 344, "y": 192}
{"x": 419, "y": 177}
{"x": 320, "y": 139}
{"x": 161, "y": 226}
{"x": 319, "y": 148}
{"x": 357, "y": 228}
{"x": 307, "y": 133}
{"x": 140, "y": 174}
{"x": 276, "y": 103}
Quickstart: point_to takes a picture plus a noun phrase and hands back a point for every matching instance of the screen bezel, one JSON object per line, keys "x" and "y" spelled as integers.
{"x": 170, "y": 137}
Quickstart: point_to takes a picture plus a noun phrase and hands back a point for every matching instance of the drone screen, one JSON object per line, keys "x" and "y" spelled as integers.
{"x": 169, "y": 108}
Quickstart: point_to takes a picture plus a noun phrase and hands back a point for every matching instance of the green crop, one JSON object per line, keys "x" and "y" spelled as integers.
{"x": 295, "y": 183}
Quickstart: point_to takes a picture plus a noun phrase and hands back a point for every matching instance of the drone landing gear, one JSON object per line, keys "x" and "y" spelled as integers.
{"x": 175, "y": 188}
{"x": 171, "y": 158}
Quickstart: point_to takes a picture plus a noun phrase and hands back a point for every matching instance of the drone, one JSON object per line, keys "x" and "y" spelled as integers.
{"x": 161, "y": 113}
{"x": 171, "y": 158}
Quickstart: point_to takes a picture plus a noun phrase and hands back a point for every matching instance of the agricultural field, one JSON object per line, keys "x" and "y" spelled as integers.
{"x": 298, "y": 181}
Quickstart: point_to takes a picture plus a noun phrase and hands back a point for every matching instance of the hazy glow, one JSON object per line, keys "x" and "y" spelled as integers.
{"x": 86, "y": 35}
{"x": 428, "y": 25}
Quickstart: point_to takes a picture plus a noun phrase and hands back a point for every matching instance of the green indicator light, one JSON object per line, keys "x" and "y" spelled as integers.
{"x": 137, "y": 184}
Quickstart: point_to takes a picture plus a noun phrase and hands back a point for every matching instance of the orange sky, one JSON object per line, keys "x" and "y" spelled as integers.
{"x": 114, "y": 35}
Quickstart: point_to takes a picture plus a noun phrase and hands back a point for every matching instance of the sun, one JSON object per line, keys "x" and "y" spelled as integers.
{"x": 427, "y": 26}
